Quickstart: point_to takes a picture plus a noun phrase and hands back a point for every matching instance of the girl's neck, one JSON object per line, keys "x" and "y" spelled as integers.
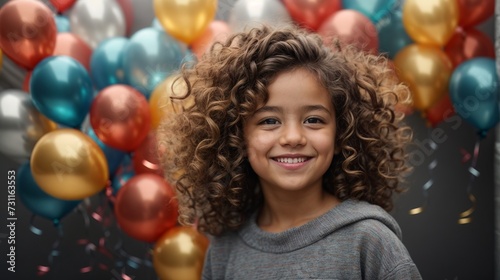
{"x": 280, "y": 213}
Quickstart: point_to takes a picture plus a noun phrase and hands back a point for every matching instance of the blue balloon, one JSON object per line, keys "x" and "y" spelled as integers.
{"x": 150, "y": 56}
{"x": 156, "y": 24}
{"x": 372, "y": 9}
{"x": 61, "y": 89}
{"x": 123, "y": 174}
{"x": 62, "y": 23}
{"x": 106, "y": 63}
{"x": 474, "y": 92}
{"x": 113, "y": 156}
{"x": 39, "y": 202}
{"x": 392, "y": 34}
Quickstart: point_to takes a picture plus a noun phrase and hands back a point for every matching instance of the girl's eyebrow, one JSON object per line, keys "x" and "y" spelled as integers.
{"x": 277, "y": 109}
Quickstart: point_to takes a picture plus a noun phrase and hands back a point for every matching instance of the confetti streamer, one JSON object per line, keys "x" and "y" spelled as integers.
{"x": 465, "y": 216}
{"x": 44, "y": 269}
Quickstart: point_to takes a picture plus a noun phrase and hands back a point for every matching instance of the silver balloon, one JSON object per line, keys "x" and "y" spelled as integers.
{"x": 246, "y": 14}
{"x": 21, "y": 125}
{"x": 96, "y": 20}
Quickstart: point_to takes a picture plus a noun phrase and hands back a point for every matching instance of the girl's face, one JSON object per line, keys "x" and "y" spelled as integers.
{"x": 290, "y": 139}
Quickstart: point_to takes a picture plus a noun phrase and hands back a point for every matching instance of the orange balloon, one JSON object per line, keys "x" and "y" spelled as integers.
{"x": 62, "y": 5}
{"x": 426, "y": 70}
{"x": 146, "y": 207}
{"x": 311, "y": 14}
{"x": 145, "y": 159}
{"x": 467, "y": 44}
{"x": 180, "y": 254}
{"x": 120, "y": 117}
{"x": 475, "y": 11}
{"x": 69, "y": 165}
{"x": 27, "y": 32}
{"x": 217, "y": 30}
{"x": 71, "y": 45}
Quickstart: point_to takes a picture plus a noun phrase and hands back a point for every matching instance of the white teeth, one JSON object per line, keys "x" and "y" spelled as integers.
{"x": 290, "y": 160}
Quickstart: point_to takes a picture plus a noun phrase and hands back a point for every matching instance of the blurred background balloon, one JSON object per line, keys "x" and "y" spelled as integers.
{"x": 310, "y": 14}
{"x": 27, "y": 32}
{"x": 62, "y": 5}
{"x": 145, "y": 158}
{"x": 217, "y": 30}
{"x": 71, "y": 45}
{"x": 69, "y": 165}
{"x": 185, "y": 20}
{"x": 250, "y": 13}
{"x": 62, "y": 90}
{"x": 430, "y": 22}
{"x": 38, "y": 201}
{"x": 150, "y": 56}
{"x": 180, "y": 253}
{"x": 123, "y": 174}
{"x": 21, "y": 125}
{"x": 96, "y": 20}
{"x": 392, "y": 34}
{"x": 426, "y": 70}
{"x": 440, "y": 111}
{"x": 62, "y": 23}
{"x": 352, "y": 28}
{"x": 146, "y": 207}
{"x": 375, "y": 10}
{"x": 106, "y": 63}
{"x": 467, "y": 44}
{"x": 128, "y": 13}
{"x": 120, "y": 117}
{"x": 474, "y": 12}
{"x": 474, "y": 91}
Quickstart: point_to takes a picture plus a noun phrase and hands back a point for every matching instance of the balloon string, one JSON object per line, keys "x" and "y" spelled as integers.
{"x": 465, "y": 216}
{"x": 42, "y": 270}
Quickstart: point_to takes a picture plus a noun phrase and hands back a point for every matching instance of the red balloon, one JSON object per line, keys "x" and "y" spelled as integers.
{"x": 120, "y": 117}
{"x": 146, "y": 158}
{"x": 351, "y": 27}
{"x": 27, "y": 32}
{"x": 467, "y": 44}
{"x": 217, "y": 30}
{"x": 311, "y": 13}
{"x": 128, "y": 13}
{"x": 146, "y": 207}
{"x": 62, "y": 5}
{"x": 440, "y": 111}
{"x": 26, "y": 82}
{"x": 71, "y": 45}
{"x": 473, "y": 12}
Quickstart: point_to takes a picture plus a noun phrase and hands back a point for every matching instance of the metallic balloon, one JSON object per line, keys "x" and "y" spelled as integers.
{"x": 21, "y": 125}
{"x": 96, "y": 20}
{"x": 217, "y": 30}
{"x": 62, "y": 5}
{"x": 146, "y": 158}
{"x": 68, "y": 165}
{"x": 311, "y": 14}
{"x": 71, "y": 45}
{"x": 392, "y": 35}
{"x": 62, "y": 23}
{"x": 375, "y": 10}
{"x": 467, "y": 44}
{"x": 250, "y": 13}
{"x": 106, "y": 63}
{"x": 128, "y": 13}
{"x": 180, "y": 254}
{"x": 474, "y": 12}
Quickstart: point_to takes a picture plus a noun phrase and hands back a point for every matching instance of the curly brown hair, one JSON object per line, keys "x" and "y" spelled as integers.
{"x": 205, "y": 147}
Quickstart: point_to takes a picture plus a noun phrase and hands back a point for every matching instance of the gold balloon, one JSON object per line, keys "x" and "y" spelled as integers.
{"x": 426, "y": 70}
{"x": 430, "y": 22}
{"x": 179, "y": 254}
{"x": 161, "y": 104}
{"x": 185, "y": 20}
{"x": 69, "y": 165}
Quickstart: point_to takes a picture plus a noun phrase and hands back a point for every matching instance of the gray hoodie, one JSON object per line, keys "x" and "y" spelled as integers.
{"x": 354, "y": 240}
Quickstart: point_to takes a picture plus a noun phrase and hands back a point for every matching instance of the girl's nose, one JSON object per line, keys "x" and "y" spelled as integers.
{"x": 292, "y": 135}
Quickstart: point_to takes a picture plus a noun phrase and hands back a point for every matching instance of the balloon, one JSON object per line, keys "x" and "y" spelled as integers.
{"x": 145, "y": 158}
{"x": 106, "y": 63}
{"x": 71, "y": 45}
{"x": 440, "y": 111}
{"x": 21, "y": 125}
{"x": 123, "y": 174}
{"x": 185, "y": 19}
{"x": 474, "y": 12}
{"x": 26, "y": 82}
{"x": 27, "y": 32}
{"x": 161, "y": 104}
{"x": 146, "y": 207}
{"x": 426, "y": 70}
{"x": 96, "y": 20}
{"x": 62, "y": 23}
{"x": 430, "y": 22}
{"x": 217, "y": 30}
{"x": 62, "y": 5}
{"x": 1, "y": 59}
{"x": 62, "y": 90}
{"x": 128, "y": 13}
{"x": 351, "y": 27}
{"x": 311, "y": 14}
{"x": 246, "y": 14}
{"x": 149, "y": 57}
{"x": 146, "y": 12}
{"x": 474, "y": 91}
{"x": 39, "y": 202}
{"x": 373, "y": 9}
{"x": 68, "y": 165}
{"x": 120, "y": 117}
{"x": 467, "y": 44}
{"x": 180, "y": 254}
{"x": 392, "y": 34}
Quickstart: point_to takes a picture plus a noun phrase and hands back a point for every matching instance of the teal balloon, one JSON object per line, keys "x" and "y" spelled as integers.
{"x": 392, "y": 35}
{"x": 39, "y": 202}
{"x": 62, "y": 23}
{"x": 106, "y": 63}
{"x": 156, "y": 24}
{"x": 150, "y": 56}
{"x": 123, "y": 174}
{"x": 375, "y": 10}
{"x": 474, "y": 91}
{"x": 113, "y": 156}
{"x": 61, "y": 89}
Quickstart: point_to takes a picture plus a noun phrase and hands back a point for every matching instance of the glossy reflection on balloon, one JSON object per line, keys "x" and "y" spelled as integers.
{"x": 106, "y": 63}
{"x": 392, "y": 34}
{"x": 246, "y": 14}
{"x": 375, "y": 10}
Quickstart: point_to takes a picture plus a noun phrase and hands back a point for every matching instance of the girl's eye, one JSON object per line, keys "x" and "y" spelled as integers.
{"x": 269, "y": 121}
{"x": 313, "y": 120}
